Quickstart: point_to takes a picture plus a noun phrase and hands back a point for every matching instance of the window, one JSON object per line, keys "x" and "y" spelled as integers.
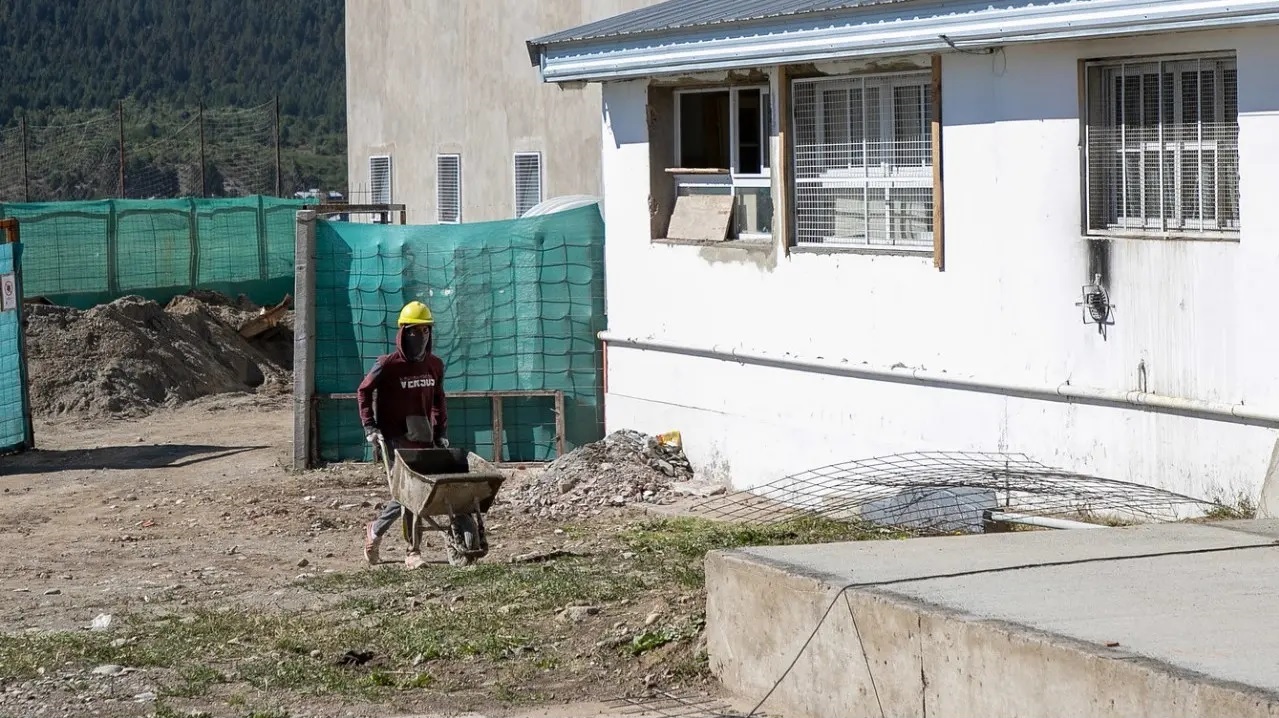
{"x": 528, "y": 181}
{"x": 1163, "y": 146}
{"x": 864, "y": 161}
{"x": 722, "y": 148}
{"x": 380, "y": 179}
{"x": 448, "y": 189}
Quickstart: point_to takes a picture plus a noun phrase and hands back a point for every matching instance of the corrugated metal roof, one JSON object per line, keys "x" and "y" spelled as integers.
{"x": 683, "y": 14}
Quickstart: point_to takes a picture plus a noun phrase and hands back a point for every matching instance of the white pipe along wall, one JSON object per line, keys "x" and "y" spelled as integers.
{"x": 775, "y": 362}
{"x": 1233, "y": 413}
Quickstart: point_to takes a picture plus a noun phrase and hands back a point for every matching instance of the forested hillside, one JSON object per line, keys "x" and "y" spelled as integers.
{"x": 71, "y": 60}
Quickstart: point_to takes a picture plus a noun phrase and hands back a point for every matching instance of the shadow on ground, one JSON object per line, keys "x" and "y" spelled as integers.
{"x": 140, "y": 456}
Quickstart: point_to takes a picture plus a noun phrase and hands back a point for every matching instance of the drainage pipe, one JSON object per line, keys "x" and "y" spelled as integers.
{"x": 1064, "y": 393}
{"x": 1006, "y": 517}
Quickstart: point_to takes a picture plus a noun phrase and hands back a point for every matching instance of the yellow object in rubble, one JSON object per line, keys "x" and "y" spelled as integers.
{"x": 671, "y": 438}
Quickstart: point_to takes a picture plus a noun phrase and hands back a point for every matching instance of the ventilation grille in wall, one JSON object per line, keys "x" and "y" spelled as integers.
{"x": 528, "y": 181}
{"x": 448, "y": 189}
{"x": 380, "y": 179}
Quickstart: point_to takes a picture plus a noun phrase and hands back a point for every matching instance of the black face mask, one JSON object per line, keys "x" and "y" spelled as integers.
{"x": 416, "y": 341}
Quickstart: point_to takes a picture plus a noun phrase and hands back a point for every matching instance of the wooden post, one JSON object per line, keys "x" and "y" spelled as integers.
{"x": 939, "y": 213}
{"x": 304, "y": 340}
{"x": 120, "y": 116}
{"x": 26, "y": 174}
{"x": 560, "y": 427}
{"x": 498, "y": 429}
{"x": 779, "y": 90}
{"x": 204, "y": 189}
{"x": 279, "y": 168}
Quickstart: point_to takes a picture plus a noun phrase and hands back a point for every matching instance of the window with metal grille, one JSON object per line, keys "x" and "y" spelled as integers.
{"x": 1163, "y": 146}
{"x": 528, "y": 181}
{"x": 448, "y": 189}
{"x": 864, "y": 161}
{"x": 380, "y": 179}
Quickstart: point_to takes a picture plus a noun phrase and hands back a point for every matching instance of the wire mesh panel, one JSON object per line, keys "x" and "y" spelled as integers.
{"x": 517, "y": 305}
{"x": 15, "y": 426}
{"x": 946, "y": 492}
{"x": 528, "y": 181}
{"x": 1163, "y": 146}
{"x": 139, "y": 152}
{"x": 863, "y": 161}
{"x": 86, "y": 253}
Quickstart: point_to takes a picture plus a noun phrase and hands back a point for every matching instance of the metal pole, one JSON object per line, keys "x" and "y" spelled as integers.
{"x": 204, "y": 190}
{"x": 26, "y": 175}
{"x": 120, "y": 115}
{"x": 279, "y": 171}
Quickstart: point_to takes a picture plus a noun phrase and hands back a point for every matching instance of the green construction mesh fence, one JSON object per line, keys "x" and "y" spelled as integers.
{"x": 14, "y": 426}
{"x": 85, "y": 253}
{"x": 517, "y": 308}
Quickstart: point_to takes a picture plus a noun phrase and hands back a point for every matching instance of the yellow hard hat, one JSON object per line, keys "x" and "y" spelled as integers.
{"x": 415, "y": 313}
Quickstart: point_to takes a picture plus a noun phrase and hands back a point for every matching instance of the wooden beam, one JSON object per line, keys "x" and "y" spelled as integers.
{"x": 939, "y": 195}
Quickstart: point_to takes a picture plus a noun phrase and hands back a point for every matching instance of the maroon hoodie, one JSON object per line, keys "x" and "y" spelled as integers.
{"x": 405, "y": 389}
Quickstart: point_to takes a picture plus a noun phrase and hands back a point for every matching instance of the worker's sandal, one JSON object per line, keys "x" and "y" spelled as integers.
{"x": 372, "y": 542}
{"x": 414, "y": 560}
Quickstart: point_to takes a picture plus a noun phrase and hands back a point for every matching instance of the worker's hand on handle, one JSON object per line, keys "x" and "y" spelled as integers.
{"x": 441, "y": 442}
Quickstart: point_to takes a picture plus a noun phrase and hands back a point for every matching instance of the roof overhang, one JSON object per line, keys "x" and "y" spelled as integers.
{"x": 892, "y": 30}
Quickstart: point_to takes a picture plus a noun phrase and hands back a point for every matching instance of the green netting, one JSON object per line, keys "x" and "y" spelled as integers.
{"x": 14, "y": 426}
{"x": 86, "y": 253}
{"x": 518, "y": 305}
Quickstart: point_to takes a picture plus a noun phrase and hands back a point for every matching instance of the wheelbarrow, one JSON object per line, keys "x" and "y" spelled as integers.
{"x": 437, "y": 486}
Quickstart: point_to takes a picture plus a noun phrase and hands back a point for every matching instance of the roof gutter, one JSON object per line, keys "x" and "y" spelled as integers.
{"x": 863, "y": 35}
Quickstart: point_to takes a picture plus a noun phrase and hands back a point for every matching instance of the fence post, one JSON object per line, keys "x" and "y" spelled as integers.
{"x": 279, "y": 168}
{"x": 204, "y": 190}
{"x": 120, "y": 116}
{"x": 26, "y": 174}
{"x": 193, "y": 236}
{"x": 304, "y": 341}
{"x": 113, "y": 249}
{"x": 11, "y": 234}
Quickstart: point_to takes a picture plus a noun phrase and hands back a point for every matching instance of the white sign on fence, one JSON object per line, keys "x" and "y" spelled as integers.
{"x": 8, "y": 293}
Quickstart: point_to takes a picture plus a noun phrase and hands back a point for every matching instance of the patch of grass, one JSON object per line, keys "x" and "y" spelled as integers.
{"x": 1242, "y": 506}
{"x": 677, "y": 547}
{"x": 196, "y": 681}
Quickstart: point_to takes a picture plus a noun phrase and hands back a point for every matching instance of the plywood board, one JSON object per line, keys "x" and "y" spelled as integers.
{"x": 702, "y": 217}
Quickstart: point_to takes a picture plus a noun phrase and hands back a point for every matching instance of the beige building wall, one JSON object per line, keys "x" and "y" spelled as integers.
{"x": 426, "y": 77}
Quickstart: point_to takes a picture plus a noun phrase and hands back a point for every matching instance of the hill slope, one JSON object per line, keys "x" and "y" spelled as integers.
{"x": 84, "y": 55}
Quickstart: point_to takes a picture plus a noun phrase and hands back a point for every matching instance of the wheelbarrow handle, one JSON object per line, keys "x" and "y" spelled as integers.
{"x": 384, "y": 454}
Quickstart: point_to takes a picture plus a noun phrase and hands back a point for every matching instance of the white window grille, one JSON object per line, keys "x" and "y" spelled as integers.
{"x": 1163, "y": 146}
{"x": 380, "y": 179}
{"x": 528, "y": 181}
{"x": 448, "y": 189}
{"x": 864, "y": 161}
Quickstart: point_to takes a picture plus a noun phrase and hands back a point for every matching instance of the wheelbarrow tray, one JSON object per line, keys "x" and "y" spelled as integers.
{"x": 438, "y": 482}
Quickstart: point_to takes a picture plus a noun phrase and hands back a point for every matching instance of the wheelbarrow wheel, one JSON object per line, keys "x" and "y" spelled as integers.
{"x": 465, "y": 542}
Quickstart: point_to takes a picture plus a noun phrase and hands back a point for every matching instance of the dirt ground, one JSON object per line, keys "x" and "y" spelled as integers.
{"x": 235, "y": 587}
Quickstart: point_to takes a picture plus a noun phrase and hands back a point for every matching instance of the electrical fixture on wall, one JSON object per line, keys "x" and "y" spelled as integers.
{"x": 1096, "y": 306}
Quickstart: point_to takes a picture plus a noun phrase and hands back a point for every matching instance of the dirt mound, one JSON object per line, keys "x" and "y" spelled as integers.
{"x": 132, "y": 355}
{"x": 624, "y": 468}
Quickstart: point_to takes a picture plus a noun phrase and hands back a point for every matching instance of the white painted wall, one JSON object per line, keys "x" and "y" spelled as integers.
{"x": 1200, "y": 314}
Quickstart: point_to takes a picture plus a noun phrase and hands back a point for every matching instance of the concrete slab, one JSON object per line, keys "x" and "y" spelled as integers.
{"x": 1164, "y": 620}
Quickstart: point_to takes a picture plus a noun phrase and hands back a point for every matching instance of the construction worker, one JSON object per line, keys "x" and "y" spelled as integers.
{"x": 401, "y": 401}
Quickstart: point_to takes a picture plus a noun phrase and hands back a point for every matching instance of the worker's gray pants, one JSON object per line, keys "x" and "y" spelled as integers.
{"x": 390, "y": 514}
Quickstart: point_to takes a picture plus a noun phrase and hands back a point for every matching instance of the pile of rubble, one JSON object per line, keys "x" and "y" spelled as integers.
{"x": 131, "y": 356}
{"x": 625, "y": 468}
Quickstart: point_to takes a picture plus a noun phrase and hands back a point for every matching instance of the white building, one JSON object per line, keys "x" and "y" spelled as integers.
{"x": 444, "y": 117}
{"x": 907, "y": 264}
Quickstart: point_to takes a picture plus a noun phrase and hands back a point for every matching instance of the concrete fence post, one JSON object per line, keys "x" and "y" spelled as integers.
{"x": 304, "y": 342}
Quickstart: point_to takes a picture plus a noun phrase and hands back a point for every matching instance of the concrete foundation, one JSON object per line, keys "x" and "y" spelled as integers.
{"x": 1172, "y": 620}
